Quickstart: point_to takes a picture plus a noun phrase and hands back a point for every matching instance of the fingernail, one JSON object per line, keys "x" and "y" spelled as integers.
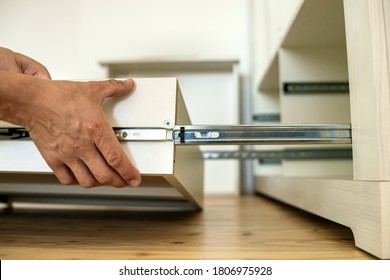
{"x": 134, "y": 183}
{"x": 129, "y": 81}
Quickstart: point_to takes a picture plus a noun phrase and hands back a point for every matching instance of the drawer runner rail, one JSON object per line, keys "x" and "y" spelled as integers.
{"x": 225, "y": 134}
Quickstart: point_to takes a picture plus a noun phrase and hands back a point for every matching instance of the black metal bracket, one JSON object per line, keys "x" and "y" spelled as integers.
{"x": 14, "y": 133}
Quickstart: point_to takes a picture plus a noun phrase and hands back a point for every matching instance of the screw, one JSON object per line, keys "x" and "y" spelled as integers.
{"x": 167, "y": 123}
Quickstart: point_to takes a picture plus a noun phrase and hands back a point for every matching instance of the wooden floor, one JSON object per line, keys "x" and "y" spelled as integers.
{"x": 251, "y": 227}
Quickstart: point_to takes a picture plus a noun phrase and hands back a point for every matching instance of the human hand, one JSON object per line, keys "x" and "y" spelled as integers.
{"x": 18, "y": 63}
{"x": 66, "y": 121}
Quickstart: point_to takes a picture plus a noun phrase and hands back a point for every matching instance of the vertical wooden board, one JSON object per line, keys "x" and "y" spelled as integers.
{"x": 188, "y": 176}
{"x": 386, "y": 7}
{"x": 368, "y": 64}
{"x": 319, "y": 108}
{"x": 317, "y": 168}
{"x": 188, "y": 167}
{"x": 151, "y": 158}
{"x": 385, "y": 217}
{"x": 315, "y": 64}
{"x": 150, "y": 105}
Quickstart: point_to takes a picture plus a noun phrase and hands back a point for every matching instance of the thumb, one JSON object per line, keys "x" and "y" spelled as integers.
{"x": 114, "y": 88}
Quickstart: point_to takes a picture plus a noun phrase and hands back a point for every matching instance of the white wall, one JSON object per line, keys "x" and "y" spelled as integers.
{"x": 70, "y": 36}
{"x": 124, "y": 28}
{"x": 46, "y": 30}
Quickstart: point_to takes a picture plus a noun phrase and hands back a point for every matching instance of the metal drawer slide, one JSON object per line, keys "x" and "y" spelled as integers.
{"x": 225, "y": 134}
{"x": 262, "y": 135}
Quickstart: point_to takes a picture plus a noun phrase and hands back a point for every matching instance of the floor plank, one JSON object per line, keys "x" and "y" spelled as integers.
{"x": 248, "y": 227}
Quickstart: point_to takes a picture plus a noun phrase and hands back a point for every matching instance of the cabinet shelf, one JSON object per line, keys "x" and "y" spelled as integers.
{"x": 314, "y": 24}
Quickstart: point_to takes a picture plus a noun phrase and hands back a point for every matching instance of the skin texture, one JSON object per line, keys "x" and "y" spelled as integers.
{"x": 66, "y": 122}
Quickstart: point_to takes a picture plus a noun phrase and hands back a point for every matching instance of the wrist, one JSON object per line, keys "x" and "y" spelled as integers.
{"x": 15, "y": 93}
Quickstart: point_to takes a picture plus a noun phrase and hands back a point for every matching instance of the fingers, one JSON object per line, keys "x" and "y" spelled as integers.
{"x": 31, "y": 67}
{"x": 8, "y": 63}
{"x": 76, "y": 173}
{"x": 18, "y": 63}
{"x": 64, "y": 174}
{"x": 93, "y": 164}
{"x": 89, "y": 174}
{"x": 110, "y": 149}
{"x": 83, "y": 175}
{"x": 87, "y": 167}
{"x": 112, "y": 88}
{"x": 93, "y": 169}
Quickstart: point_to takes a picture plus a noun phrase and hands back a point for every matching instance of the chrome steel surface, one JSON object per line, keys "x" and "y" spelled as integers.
{"x": 225, "y": 134}
{"x": 263, "y": 134}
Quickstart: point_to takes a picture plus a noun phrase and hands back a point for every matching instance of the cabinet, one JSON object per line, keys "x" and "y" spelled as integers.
{"x": 332, "y": 42}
